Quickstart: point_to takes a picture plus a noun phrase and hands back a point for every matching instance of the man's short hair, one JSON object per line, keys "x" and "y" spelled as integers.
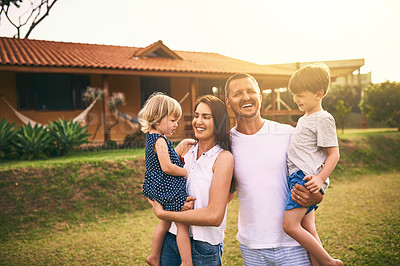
{"x": 239, "y": 76}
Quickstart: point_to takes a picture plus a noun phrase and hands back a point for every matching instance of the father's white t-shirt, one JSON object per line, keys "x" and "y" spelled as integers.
{"x": 261, "y": 174}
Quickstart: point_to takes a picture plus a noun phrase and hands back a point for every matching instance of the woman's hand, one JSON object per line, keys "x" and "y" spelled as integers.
{"x": 157, "y": 208}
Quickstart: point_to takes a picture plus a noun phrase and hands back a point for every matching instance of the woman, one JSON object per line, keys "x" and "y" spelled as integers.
{"x": 209, "y": 163}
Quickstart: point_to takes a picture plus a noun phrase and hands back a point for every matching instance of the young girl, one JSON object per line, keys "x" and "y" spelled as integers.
{"x": 209, "y": 163}
{"x": 164, "y": 179}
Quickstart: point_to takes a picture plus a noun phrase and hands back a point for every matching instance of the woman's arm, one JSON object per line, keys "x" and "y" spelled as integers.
{"x": 214, "y": 213}
{"x": 161, "y": 149}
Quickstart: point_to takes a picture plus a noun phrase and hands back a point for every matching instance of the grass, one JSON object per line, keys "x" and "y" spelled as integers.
{"x": 358, "y": 222}
{"x": 75, "y": 157}
{"x": 87, "y": 207}
{"x": 363, "y": 133}
{"x": 68, "y": 194}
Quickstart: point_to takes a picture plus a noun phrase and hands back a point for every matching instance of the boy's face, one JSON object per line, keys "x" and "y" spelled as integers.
{"x": 308, "y": 102}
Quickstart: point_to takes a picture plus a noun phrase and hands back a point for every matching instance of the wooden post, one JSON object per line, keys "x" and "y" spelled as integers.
{"x": 273, "y": 103}
{"x": 193, "y": 92}
{"x": 352, "y": 80}
{"x": 105, "y": 109}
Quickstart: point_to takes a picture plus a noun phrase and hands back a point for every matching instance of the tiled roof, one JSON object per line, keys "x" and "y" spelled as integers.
{"x": 39, "y": 53}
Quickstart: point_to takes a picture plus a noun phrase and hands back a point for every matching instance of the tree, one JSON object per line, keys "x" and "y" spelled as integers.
{"x": 116, "y": 101}
{"x": 350, "y": 95}
{"x": 342, "y": 110}
{"x": 30, "y": 15}
{"x": 93, "y": 94}
{"x": 381, "y": 102}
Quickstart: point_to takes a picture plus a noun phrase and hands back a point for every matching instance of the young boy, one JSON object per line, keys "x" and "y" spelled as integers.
{"x": 312, "y": 155}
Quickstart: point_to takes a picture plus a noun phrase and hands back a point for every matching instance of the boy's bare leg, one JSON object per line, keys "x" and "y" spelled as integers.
{"x": 308, "y": 223}
{"x": 292, "y": 226}
{"x": 184, "y": 246}
{"x": 158, "y": 239}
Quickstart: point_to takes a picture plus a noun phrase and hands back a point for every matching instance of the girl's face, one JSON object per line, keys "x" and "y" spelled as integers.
{"x": 203, "y": 123}
{"x": 167, "y": 125}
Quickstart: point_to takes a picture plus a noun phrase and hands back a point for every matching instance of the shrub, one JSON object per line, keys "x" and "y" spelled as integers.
{"x": 32, "y": 142}
{"x": 7, "y": 132}
{"x": 67, "y": 135}
{"x": 135, "y": 140}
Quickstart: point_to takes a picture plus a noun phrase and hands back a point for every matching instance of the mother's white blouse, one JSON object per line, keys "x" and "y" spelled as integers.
{"x": 198, "y": 185}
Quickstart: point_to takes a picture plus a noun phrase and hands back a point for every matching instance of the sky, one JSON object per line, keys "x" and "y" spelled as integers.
{"x": 258, "y": 31}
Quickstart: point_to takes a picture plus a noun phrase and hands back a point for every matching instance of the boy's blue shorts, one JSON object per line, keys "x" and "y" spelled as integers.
{"x": 293, "y": 179}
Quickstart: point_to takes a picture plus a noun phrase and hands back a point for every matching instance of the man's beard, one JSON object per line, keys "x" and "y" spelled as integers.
{"x": 251, "y": 115}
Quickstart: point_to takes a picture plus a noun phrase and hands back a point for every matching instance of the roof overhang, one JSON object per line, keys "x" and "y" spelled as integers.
{"x": 338, "y": 67}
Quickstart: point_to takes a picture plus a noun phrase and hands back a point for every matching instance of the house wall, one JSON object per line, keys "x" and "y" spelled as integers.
{"x": 179, "y": 88}
{"x": 130, "y": 86}
{"x": 127, "y": 84}
{"x": 8, "y": 90}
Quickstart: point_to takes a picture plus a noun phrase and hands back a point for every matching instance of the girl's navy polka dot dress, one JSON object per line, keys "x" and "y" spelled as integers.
{"x": 168, "y": 190}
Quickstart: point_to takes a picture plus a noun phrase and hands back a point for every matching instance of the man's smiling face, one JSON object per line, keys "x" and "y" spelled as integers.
{"x": 244, "y": 98}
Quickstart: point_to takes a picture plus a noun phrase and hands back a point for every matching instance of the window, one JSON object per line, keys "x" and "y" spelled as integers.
{"x": 213, "y": 87}
{"x": 45, "y": 91}
{"x": 150, "y": 85}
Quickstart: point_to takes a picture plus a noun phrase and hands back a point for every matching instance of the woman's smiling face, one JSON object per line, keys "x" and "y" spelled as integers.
{"x": 203, "y": 122}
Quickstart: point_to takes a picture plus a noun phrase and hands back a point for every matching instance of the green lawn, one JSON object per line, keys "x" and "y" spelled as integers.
{"x": 87, "y": 207}
{"x": 77, "y": 156}
{"x": 362, "y": 133}
{"x": 358, "y": 222}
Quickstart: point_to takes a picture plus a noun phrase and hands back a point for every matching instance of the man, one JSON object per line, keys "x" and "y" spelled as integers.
{"x": 259, "y": 147}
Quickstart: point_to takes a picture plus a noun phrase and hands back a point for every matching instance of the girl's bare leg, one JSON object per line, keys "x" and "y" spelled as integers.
{"x": 184, "y": 246}
{"x": 292, "y": 226}
{"x": 157, "y": 243}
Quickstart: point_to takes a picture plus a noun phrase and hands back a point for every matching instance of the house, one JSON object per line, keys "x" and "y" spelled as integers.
{"x": 45, "y": 80}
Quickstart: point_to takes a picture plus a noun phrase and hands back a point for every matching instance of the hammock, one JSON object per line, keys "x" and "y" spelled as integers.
{"x": 79, "y": 118}
{"x": 132, "y": 119}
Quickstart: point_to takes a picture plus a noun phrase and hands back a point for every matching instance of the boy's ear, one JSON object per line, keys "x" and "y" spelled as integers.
{"x": 320, "y": 94}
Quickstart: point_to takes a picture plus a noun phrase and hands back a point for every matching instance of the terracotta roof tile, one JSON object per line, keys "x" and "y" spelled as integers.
{"x": 27, "y": 52}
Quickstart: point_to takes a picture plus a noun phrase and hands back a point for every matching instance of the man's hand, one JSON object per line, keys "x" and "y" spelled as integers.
{"x": 189, "y": 204}
{"x": 304, "y": 197}
{"x": 314, "y": 183}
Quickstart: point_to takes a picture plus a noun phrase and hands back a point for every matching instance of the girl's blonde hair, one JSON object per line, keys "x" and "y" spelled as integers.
{"x": 158, "y": 106}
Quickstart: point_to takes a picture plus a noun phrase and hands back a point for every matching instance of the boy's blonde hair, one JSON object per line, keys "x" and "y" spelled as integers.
{"x": 313, "y": 77}
{"x": 158, "y": 106}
